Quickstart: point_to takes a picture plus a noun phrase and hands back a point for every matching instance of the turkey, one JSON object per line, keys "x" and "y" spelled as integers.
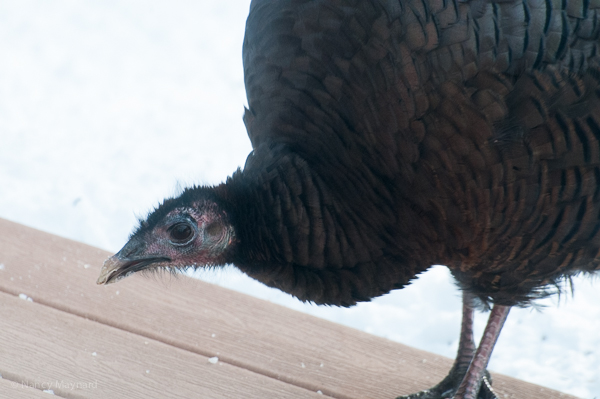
{"x": 392, "y": 135}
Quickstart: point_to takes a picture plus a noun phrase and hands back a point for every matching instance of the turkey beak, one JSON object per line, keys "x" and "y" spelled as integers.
{"x": 119, "y": 266}
{"x": 110, "y": 270}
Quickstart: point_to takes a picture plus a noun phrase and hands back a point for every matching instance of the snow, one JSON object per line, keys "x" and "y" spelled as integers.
{"x": 213, "y": 360}
{"x": 108, "y": 107}
{"x": 25, "y": 297}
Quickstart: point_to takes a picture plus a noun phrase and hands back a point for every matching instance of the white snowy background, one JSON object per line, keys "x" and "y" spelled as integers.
{"x": 107, "y": 107}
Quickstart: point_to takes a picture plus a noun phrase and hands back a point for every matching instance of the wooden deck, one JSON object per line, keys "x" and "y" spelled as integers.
{"x": 148, "y": 338}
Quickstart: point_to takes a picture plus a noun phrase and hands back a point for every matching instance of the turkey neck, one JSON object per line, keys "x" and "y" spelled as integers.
{"x": 325, "y": 241}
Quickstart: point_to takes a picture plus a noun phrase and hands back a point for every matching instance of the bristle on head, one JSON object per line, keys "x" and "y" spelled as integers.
{"x": 192, "y": 230}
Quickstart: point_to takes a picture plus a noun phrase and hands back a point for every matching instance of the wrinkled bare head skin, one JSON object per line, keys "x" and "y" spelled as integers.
{"x": 183, "y": 232}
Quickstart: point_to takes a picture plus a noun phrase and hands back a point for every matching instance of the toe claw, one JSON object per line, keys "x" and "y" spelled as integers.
{"x": 448, "y": 387}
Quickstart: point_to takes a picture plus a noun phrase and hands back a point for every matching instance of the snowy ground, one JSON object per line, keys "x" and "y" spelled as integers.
{"x": 106, "y": 107}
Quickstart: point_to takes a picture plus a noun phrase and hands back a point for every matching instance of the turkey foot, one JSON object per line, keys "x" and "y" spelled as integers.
{"x": 468, "y": 378}
{"x": 449, "y": 385}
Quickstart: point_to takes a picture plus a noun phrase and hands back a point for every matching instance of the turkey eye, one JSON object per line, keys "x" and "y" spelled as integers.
{"x": 181, "y": 233}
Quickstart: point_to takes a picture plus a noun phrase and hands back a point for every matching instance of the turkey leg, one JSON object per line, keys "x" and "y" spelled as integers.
{"x": 466, "y": 351}
{"x": 472, "y": 381}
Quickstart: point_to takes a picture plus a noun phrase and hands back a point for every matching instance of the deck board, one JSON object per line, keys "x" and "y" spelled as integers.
{"x": 78, "y": 358}
{"x": 19, "y": 390}
{"x": 196, "y": 320}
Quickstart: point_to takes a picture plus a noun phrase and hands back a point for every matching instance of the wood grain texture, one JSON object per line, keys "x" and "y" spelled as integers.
{"x": 17, "y": 390}
{"x": 195, "y": 320}
{"x": 77, "y": 358}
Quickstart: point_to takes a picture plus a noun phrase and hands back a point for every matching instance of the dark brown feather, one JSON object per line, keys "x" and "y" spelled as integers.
{"x": 464, "y": 135}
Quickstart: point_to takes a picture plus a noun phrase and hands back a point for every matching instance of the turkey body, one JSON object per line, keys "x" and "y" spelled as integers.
{"x": 393, "y": 135}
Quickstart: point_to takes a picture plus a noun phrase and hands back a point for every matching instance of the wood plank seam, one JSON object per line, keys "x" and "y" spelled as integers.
{"x": 18, "y": 382}
{"x": 222, "y": 358}
{"x": 95, "y": 361}
{"x": 18, "y": 391}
